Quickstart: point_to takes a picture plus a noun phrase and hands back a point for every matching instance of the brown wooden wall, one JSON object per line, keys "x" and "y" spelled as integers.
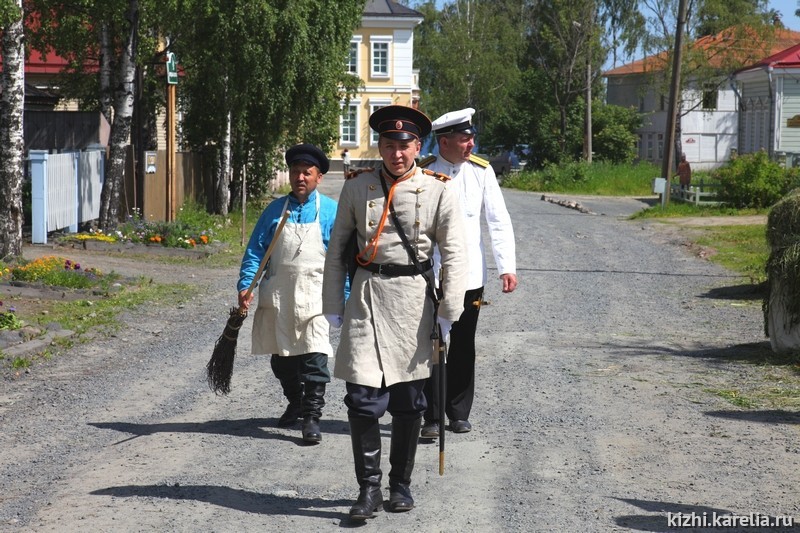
{"x": 150, "y": 196}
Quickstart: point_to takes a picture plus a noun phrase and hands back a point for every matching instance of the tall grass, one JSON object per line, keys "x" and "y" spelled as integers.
{"x": 603, "y": 179}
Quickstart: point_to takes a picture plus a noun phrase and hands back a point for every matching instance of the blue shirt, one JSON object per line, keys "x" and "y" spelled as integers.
{"x": 264, "y": 231}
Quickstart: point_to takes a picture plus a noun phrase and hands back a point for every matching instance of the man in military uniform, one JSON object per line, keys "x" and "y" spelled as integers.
{"x": 399, "y": 213}
{"x": 478, "y": 190}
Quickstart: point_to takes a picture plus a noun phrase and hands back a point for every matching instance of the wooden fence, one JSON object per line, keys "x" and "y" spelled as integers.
{"x": 148, "y": 195}
{"x": 700, "y": 194}
{"x": 65, "y": 190}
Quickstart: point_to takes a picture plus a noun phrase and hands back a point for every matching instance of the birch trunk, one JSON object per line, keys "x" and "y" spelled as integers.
{"x": 121, "y": 127}
{"x": 12, "y": 146}
{"x": 224, "y": 179}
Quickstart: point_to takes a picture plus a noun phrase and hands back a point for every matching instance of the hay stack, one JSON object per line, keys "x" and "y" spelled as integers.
{"x": 782, "y": 302}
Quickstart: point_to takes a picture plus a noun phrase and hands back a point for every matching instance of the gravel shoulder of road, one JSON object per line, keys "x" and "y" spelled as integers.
{"x": 595, "y": 407}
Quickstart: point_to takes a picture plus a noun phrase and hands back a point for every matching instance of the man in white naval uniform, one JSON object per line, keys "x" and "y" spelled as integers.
{"x": 398, "y": 214}
{"x": 478, "y": 191}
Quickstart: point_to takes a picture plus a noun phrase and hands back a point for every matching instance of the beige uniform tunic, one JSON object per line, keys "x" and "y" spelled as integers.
{"x": 388, "y": 320}
{"x": 289, "y": 319}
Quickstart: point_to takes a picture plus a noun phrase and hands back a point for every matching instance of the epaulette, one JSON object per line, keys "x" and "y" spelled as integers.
{"x": 427, "y": 161}
{"x": 355, "y": 172}
{"x": 444, "y": 178}
{"x": 481, "y": 162}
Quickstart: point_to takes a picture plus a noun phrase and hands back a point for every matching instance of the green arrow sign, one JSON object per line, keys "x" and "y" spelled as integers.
{"x": 172, "y": 69}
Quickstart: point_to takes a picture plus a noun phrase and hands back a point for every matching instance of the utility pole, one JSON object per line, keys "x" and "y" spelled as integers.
{"x": 587, "y": 127}
{"x": 672, "y": 114}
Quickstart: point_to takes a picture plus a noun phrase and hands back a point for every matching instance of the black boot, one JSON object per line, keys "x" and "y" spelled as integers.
{"x": 313, "y": 402}
{"x": 366, "y": 437}
{"x": 405, "y": 435}
{"x": 293, "y": 393}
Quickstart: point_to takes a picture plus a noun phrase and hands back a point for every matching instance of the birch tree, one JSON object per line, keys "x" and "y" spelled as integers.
{"x": 12, "y": 156}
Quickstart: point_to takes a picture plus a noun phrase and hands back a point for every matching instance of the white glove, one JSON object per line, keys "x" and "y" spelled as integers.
{"x": 445, "y": 325}
{"x": 334, "y": 320}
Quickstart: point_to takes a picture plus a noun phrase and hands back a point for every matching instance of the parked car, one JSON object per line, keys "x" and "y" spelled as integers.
{"x": 504, "y": 161}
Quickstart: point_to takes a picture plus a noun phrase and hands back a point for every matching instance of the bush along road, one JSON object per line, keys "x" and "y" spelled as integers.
{"x": 601, "y": 405}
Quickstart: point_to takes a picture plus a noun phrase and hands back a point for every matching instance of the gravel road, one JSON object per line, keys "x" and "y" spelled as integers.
{"x": 592, "y": 409}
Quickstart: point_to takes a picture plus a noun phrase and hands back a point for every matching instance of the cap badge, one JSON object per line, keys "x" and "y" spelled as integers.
{"x": 398, "y": 125}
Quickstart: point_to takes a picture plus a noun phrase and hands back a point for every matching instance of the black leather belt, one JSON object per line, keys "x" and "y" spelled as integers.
{"x": 397, "y": 270}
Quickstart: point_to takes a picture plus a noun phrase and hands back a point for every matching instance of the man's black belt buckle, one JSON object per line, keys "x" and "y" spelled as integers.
{"x": 397, "y": 270}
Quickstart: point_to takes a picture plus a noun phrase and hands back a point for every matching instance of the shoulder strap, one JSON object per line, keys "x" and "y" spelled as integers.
{"x": 444, "y": 178}
{"x": 426, "y": 161}
{"x": 481, "y": 162}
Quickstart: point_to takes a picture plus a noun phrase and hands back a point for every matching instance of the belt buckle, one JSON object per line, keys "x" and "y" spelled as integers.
{"x": 380, "y": 269}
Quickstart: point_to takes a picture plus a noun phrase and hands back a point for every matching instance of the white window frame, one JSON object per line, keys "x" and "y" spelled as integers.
{"x": 354, "y": 105}
{"x": 373, "y": 42}
{"x": 350, "y": 67}
{"x": 374, "y": 105}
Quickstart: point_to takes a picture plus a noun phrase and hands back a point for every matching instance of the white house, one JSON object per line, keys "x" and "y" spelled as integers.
{"x": 709, "y": 121}
{"x": 770, "y": 106}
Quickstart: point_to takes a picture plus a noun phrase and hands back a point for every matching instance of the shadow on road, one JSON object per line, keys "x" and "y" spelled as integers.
{"x": 769, "y": 416}
{"x": 247, "y": 427}
{"x": 753, "y": 352}
{"x": 237, "y": 499}
{"x": 684, "y": 517}
{"x": 747, "y": 291}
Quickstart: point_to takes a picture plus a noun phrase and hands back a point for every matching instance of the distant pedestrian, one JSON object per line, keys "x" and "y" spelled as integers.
{"x": 346, "y": 161}
{"x": 684, "y": 173}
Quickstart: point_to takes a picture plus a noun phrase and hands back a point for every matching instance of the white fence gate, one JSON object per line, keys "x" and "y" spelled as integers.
{"x": 65, "y": 190}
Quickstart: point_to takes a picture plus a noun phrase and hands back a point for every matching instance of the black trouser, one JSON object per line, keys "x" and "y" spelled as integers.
{"x": 403, "y": 400}
{"x": 460, "y": 365}
{"x": 296, "y": 369}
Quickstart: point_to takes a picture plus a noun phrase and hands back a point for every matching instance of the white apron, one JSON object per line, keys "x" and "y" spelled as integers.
{"x": 289, "y": 319}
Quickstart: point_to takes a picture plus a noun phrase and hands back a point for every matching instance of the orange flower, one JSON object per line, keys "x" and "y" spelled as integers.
{"x": 204, "y": 239}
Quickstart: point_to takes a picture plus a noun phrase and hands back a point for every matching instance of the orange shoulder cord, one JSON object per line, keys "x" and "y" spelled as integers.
{"x": 372, "y": 246}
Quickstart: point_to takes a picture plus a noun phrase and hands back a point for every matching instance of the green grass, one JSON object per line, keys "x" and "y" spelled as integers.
{"x": 603, "y": 179}
{"x": 683, "y": 209}
{"x": 82, "y": 315}
{"x": 742, "y": 249}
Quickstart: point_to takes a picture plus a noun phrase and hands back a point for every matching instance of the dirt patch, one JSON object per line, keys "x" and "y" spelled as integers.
{"x": 751, "y": 220}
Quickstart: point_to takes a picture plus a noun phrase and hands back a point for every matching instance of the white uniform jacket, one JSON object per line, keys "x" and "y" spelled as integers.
{"x": 388, "y": 320}
{"x": 478, "y": 188}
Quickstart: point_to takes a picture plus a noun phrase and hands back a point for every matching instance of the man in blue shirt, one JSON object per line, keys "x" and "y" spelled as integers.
{"x": 289, "y": 323}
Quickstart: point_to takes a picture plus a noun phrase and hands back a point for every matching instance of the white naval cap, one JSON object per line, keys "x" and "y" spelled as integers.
{"x": 455, "y": 122}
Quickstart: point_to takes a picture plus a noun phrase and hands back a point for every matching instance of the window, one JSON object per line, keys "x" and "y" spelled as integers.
{"x": 352, "y": 58}
{"x": 348, "y": 133}
{"x": 709, "y": 97}
{"x": 374, "y": 105}
{"x": 380, "y": 56}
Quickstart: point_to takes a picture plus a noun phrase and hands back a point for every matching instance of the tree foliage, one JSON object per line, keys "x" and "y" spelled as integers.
{"x": 468, "y": 55}
{"x": 274, "y": 69}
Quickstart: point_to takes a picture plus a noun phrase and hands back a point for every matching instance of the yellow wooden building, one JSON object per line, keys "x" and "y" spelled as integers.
{"x": 381, "y": 54}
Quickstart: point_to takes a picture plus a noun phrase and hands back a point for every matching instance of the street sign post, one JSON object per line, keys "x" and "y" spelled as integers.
{"x": 172, "y": 69}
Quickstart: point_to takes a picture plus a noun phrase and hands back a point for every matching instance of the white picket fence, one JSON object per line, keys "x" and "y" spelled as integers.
{"x": 704, "y": 194}
{"x": 65, "y": 190}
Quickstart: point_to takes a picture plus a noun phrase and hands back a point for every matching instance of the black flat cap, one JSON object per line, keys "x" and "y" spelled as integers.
{"x": 308, "y": 153}
{"x": 400, "y": 122}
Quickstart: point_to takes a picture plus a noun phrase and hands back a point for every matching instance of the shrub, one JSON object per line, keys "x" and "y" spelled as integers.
{"x": 753, "y": 180}
{"x": 60, "y": 272}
